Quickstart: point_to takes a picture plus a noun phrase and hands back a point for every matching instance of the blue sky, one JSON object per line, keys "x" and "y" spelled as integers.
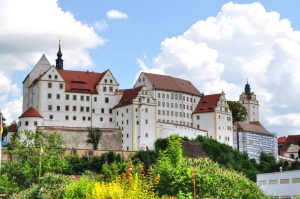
{"x": 216, "y": 45}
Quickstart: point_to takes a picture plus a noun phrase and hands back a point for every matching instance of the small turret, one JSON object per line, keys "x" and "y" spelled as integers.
{"x": 247, "y": 88}
{"x": 59, "y": 60}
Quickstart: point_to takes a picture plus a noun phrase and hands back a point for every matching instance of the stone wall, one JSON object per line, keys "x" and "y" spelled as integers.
{"x": 75, "y": 138}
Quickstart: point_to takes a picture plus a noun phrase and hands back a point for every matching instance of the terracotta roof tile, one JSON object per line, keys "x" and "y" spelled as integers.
{"x": 281, "y": 140}
{"x": 168, "y": 83}
{"x": 255, "y": 127}
{"x": 80, "y": 81}
{"x": 31, "y": 112}
{"x": 128, "y": 96}
{"x": 208, "y": 103}
{"x": 12, "y": 128}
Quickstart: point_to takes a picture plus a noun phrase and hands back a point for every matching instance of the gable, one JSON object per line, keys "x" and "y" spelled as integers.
{"x": 108, "y": 78}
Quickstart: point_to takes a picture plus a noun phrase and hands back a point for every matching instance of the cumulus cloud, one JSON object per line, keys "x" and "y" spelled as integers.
{"x": 243, "y": 41}
{"x": 31, "y": 28}
{"x": 116, "y": 14}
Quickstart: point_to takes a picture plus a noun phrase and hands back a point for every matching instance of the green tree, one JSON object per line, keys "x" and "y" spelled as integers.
{"x": 32, "y": 150}
{"x": 94, "y": 136}
{"x": 239, "y": 112}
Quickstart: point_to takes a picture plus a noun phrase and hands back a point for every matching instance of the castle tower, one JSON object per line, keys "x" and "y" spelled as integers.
{"x": 59, "y": 60}
{"x": 249, "y": 101}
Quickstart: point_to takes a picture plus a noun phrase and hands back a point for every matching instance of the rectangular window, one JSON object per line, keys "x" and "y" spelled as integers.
{"x": 55, "y": 76}
{"x": 67, "y": 108}
{"x": 111, "y": 89}
{"x": 146, "y": 110}
{"x": 67, "y": 117}
{"x": 110, "y": 111}
{"x": 95, "y": 99}
{"x": 87, "y": 98}
{"x": 49, "y": 76}
{"x": 81, "y": 98}
{"x": 35, "y": 123}
{"x": 58, "y": 108}
{"x": 102, "y": 110}
{"x": 57, "y": 96}
{"x": 89, "y": 118}
{"x": 83, "y": 118}
{"x": 81, "y": 109}
{"x": 74, "y": 108}
{"x": 137, "y": 122}
{"x": 74, "y": 97}
{"x": 49, "y": 85}
{"x": 93, "y": 110}
{"x": 49, "y": 95}
{"x": 87, "y": 109}
{"x": 146, "y": 135}
{"x": 127, "y": 135}
{"x": 26, "y": 123}
{"x": 51, "y": 117}
{"x": 50, "y": 107}
{"x": 146, "y": 121}
{"x": 101, "y": 119}
{"x": 111, "y": 81}
{"x": 74, "y": 118}
{"x": 67, "y": 96}
{"x": 104, "y": 88}
{"x": 158, "y": 95}
{"x": 106, "y": 100}
{"x": 110, "y": 119}
{"x": 61, "y": 86}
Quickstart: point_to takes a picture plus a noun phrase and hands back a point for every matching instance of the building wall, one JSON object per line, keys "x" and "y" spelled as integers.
{"x": 75, "y": 138}
{"x": 254, "y": 144}
{"x": 280, "y": 184}
{"x": 252, "y": 107}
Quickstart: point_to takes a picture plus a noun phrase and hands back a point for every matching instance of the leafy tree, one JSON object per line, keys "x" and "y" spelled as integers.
{"x": 239, "y": 112}
{"x": 34, "y": 149}
{"x": 94, "y": 136}
{"x": 160, "y": 144}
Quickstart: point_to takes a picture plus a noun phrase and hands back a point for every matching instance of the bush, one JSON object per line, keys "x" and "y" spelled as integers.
{"x": 79, "y": 189}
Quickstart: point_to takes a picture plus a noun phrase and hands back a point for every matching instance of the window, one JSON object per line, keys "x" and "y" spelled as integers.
{"x": 146, "y": 135}
{"x": 49, "y": 95}
{"x": 55, "y": 76}
{"x": 51, "y": 117}
{"x": 67, "y": 108}
{"x": 146, "y": 110}
{"x": 67, "y": 96}
{"x": 57, "y": 96}
{"x": 111, "y": 81}
{"x": 105, "y": 80}
{"x": 127, "y": 135}
{"x": 74, "y": 97}
{"x": 87, "y": 98}
{"x": 146, "y": 121}
{"x": 158, "y": 112}
{"x": 137, "y": 122}
{"x": 89, "y": 118}
{"x": 163, "y": 96}
{"x": 93, "y": 110}
{"x": 26, "y": 123}
{"x": 50, "y": 107}
{"x": 87, "y": 109}
{"x": 158, "y": 95}
{"x": 83, "y": 118}
{"x": 49, "y": 85}
{"x": 106, "y": 100}
{"x": 81, "y": 109}
{"x": 49, "y": 76}
{"x": 104, "y": 88}
{"x": 198, "y": 117}
{"x": 95, "y": 99}
{"x": 117, "y": 112}
{"x": 58, "y": 108}
{"x": 74, "y": 118}
{"x": 101, "y": 119}
{"x": 110, "y": 119}
{"x": 35, "y": 123}
{"x": 111, "y": 89}
{"x": 102, "y": 110}
{"x": 67, "y": 117}
{"x": 61, "y": 86}
{"x": 81, "y": 98}
{"x": 158, "y": 103}
{"x": 127, "y": 121}
{"x": 74, "y": 108}
{"x": 110, "y": 111}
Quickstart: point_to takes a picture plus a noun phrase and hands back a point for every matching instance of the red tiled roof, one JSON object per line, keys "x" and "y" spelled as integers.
{"x": 31, "y": 112}
{"x": 208, "y": 103}
{"x": 168, "y": 83}
{"x": 281, "y": 140}
{"x": 255, "y": 127}
{"x": 294, "y": 139}
{"x": 12, "y": 128}
{"x": 80, "y": 81}
{"x": 128, "y": 96}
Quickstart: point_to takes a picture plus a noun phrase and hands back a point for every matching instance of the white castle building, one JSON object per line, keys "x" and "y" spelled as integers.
{"x": 156, "y": 107}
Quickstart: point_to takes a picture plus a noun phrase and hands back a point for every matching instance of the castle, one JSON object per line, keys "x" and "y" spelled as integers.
{"x": 69, "y": 102}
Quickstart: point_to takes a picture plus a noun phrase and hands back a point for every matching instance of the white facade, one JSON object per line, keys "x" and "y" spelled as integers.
{"x": 249, "y": 101}
{"x": 281, "y": 185}
{"x": 137, "y": 121}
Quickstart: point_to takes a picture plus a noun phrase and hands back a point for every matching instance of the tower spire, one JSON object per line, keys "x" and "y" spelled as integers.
{"x": 247, "y": 88}
{"x": 59, "y": 60}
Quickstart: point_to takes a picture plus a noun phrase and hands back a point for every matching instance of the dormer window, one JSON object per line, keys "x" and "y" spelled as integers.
{"x": 49, "y": 76}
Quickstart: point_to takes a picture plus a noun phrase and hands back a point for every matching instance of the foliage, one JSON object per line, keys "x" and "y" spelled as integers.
{"x": 239, "y": 112}
{"x": 79, "y": 189}
{"x": 77, "y": 165}
{"x": 51, "y": 186}
{"x": 160, "y": 144}
{"x": 146, "y": 157}
{"x": 111, "y": 171}
{"x": 211, "y": 180}
{"x": 93, "y": 137}
{"x": 7, "y": 185}
{"x": 29, "y": 152}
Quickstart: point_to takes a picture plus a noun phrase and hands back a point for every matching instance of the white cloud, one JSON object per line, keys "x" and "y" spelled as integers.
{"x": 116, "y": 14}
{"x": 242, "y": 41}
{"x": 12, "y": 110}
{"x": 100, "y": 25}
{"x": 31, "y": 28}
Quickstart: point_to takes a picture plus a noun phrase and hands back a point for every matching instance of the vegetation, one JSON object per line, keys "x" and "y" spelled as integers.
{"x": 239, "y": 112}
{"x": 93, "y": 137}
